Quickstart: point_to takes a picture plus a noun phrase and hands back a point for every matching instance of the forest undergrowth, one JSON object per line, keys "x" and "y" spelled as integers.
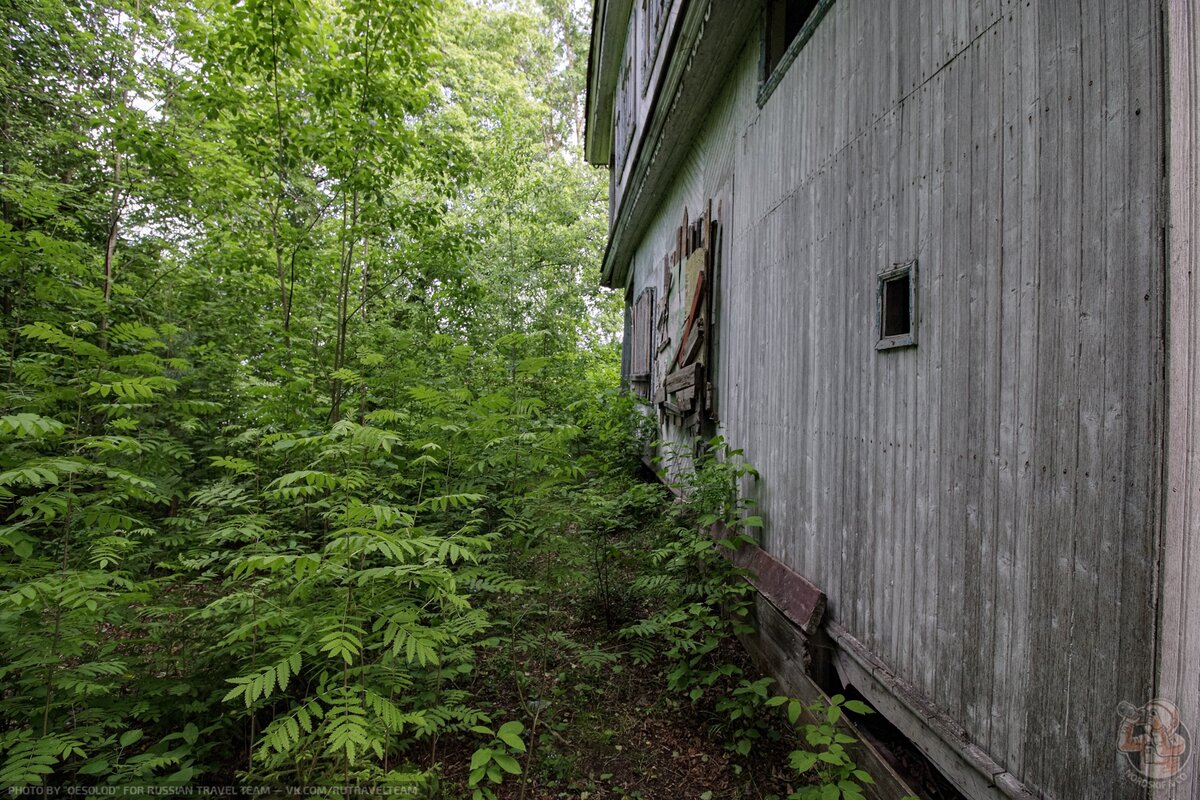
{"x": 315, "y": 470}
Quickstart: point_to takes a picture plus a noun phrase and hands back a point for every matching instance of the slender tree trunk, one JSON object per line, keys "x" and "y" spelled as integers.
{"x": 116, "y": 202}
{"x": 366, "y": 286}
{"x": 285, "y": 295}
{"x": 349, "y": 235}
{"x": 286, "y": 286}
{"x": 11, "y": 290}
{"x": 110, "y": 246}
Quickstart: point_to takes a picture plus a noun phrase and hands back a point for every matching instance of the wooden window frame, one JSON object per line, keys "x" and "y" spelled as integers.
{"x": 642, "y": 352}
{"x": 908, "y": 339}
{"x": 767, "y": 83}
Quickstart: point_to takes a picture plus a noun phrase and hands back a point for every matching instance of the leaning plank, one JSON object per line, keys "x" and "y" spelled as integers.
{"x": 799, "y": 600}
{"x": 695, "y": 338}
{"x": 789, "y": 591}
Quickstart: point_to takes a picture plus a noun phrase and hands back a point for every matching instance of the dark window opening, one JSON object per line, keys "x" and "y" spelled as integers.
{"x": 897, "y": 299}
{"x": 785, "y": 20}
{"x": 897, "y": 311}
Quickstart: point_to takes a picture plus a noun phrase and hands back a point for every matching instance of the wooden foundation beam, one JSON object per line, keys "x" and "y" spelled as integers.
{"x": 779, "y": 649}
{"x": 943, "y": 742}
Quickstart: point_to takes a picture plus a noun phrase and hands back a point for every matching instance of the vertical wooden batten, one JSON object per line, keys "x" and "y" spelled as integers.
{"x": 1179, "y": 592}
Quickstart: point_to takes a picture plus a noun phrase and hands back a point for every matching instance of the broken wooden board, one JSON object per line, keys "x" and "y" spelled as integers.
{"x": 802, "y": 602}
{"x": 684, "y": 377}
{"x": 693, "y": 317}
{"x": 686, "y": 397}
{"x": 695, "y": 338}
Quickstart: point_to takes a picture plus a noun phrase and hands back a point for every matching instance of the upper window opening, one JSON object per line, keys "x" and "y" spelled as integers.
{"x": 788, "y": 25}
{"x": 785, "y": 20}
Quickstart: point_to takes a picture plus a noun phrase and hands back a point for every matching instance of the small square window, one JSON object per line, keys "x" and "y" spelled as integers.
{"x": 898, "y": 306}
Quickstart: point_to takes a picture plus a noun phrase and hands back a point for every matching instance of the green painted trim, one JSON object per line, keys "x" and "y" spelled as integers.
{"x": 768, "y": 82}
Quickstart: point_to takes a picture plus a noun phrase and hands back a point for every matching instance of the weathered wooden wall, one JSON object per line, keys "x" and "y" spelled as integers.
{"x": 982, "y": 510}
{"x": 1179, "y": 678}
{"x": 646, "y": 51}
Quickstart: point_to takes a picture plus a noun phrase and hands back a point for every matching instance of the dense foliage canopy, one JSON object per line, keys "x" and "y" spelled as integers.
{"x": 313, "y": 459}
{"x": 300, "y": 315}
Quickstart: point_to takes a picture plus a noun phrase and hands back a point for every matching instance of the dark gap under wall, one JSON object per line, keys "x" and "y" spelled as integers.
{"x": 903, "y": 756}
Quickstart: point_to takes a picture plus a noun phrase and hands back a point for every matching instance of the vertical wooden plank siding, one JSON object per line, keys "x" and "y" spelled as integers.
{"x": 982, "y": 510}
{"x": 1179, "y": 670}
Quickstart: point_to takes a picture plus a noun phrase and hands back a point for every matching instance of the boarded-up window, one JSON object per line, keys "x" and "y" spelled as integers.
{"x": 641, "y": 351}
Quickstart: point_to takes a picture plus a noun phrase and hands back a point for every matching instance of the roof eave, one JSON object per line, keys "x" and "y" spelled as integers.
{"x": 711, "y": 38}
{"x": 610, "y": 20}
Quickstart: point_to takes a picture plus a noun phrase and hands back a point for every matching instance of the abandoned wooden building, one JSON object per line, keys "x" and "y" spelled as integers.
{"x": 931, "y": 265}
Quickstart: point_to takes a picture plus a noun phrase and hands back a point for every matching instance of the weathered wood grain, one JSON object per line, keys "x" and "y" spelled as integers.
{"x": 1179, "y": 657}
{"x": 683, "y": 377}
{"x": 982, "y": 511}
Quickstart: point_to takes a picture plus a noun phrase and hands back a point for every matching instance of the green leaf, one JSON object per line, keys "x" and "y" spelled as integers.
{"x": 858, "y": 707}
{"x": 480, "y": 758}
{"x": 31, "y": 425}
{"x": 511, "y": 728}
{"x": 182, "y": 776}
{"x": 130, "y": 737}
{"x": 802, "y": 760}
{"x": 507, "y": 763}
{"x": 850, "y": 790}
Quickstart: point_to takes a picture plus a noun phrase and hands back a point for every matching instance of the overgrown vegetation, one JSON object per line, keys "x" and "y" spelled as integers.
{"x": 314, "y": 470}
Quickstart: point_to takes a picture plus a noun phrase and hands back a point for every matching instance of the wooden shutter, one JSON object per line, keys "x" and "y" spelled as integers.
{"x": 642, "y": 348}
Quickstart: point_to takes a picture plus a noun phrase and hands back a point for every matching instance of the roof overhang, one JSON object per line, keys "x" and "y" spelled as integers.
{"x": 610, "y": 22}
{"x": 712, "y": 36}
